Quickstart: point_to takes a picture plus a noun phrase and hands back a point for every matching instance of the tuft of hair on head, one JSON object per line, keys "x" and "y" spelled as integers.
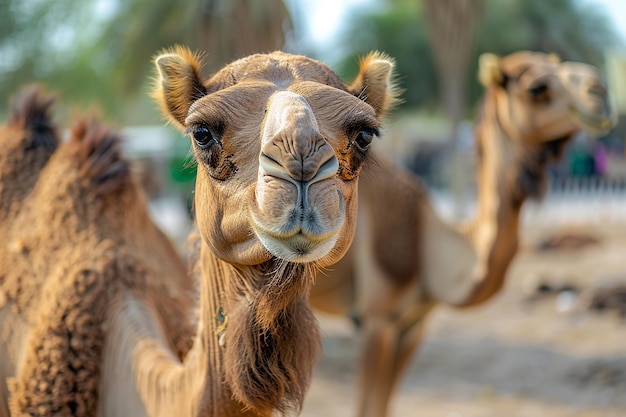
{"x": 554, "y": 58}
{"x": 30, "y": 111}
{"x": 98, "y": 156}
{"x": 376, "y": 83}
{"x": 178, "y": 82}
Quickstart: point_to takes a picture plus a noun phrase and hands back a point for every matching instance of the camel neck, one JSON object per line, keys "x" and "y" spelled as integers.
{"x": 256, "y": 341}
{"x": 217, "y": 280}
{"x": 208, "y": 366}
{"x": 494, "y": 230}
{"x": 198, "y": 386}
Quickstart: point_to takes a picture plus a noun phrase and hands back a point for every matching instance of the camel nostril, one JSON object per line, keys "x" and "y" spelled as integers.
{"x": 271, "y": 166}
{"x": 321, "y": 162}
{"x": 597, "y": 90}
{"x": 327, "y": 169}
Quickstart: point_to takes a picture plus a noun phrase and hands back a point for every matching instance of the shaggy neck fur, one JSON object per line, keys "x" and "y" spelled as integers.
{"x": 256, "y": 333}
{"x": 271, "y": 338}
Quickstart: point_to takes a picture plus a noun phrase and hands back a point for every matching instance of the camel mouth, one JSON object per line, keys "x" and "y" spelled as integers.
{"x": 594, "y": 123}
{"x": 297, "y": 248}
{"x": 298, "y": 223}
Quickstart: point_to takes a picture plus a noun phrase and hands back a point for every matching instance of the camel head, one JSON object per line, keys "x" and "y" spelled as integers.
{"x": 279, "y": 141}
{"x": 540, "y": 98}
{"x": 533, "y": 106}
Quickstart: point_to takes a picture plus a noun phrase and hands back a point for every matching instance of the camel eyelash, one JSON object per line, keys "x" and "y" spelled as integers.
{"x": 216, "y": 128}
{"x": 205, "y": 135}
{"x": 362, "y": 137}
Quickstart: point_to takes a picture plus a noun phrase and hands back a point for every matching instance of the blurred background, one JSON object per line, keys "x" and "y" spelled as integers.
{"x": 530, "y": 352}
{"x": 98, "y": 54}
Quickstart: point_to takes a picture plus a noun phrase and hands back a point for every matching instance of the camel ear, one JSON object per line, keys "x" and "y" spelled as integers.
{"x": 178, "y": 84}
{"x": 374, "y": 84}
{"x": 554, "y": 58}
{"x": 489, "y": 71}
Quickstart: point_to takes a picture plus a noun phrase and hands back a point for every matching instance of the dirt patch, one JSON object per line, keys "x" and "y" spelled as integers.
{"x": 567, "y": 241}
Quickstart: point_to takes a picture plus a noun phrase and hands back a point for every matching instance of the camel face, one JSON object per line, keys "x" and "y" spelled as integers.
{"x": 299, "y": 207}
{"x": 280, "y": 142}
{"x": 541, "y": 99}
{"x": 590, "y": 99}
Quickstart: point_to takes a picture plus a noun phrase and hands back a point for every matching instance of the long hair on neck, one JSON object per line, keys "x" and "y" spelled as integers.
{"x": 272, "y": 340}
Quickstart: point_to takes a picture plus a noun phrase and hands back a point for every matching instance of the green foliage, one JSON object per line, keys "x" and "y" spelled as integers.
{"x": 40, "y": 41}
{"x": 142, "y": 28}
{"x": 101, "y": 51}
{"x": 400, "y": 32}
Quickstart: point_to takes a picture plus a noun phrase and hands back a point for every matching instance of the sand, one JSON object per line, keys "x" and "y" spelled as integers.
{"x": 522, "y": 354}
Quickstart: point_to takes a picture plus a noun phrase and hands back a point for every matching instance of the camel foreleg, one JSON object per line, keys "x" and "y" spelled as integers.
{"x": 389, "y": 347}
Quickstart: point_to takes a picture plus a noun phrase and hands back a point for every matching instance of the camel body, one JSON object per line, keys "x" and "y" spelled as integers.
{"x": 77, "y": 233}
{"x": 405, "y": 260}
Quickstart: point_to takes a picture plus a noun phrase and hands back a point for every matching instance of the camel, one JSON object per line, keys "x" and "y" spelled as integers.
{"x": 76, "y": 231}
{"x": 405, "y": 260}
{"x": 280, "y": 142}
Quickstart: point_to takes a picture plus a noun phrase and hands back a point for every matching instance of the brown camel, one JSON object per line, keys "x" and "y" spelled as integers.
{"x": 405, "y": 260}
{"x": 279, "y": 142}
{"x": 76, "y": 232}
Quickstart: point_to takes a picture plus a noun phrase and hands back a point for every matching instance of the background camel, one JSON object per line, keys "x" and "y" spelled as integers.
{"x": 280, "y": 142}
{"x": 76, "y": 231}
{"x": 405, "y": 260}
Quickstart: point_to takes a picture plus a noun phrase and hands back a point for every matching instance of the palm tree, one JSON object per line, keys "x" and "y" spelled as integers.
{"x": 224, "y": 29}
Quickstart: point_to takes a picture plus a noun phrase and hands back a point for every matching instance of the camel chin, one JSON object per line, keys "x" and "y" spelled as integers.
{"x": 297, "y": 248}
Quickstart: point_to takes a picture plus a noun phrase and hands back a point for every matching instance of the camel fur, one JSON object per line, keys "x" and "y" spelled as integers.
{"x": 405, "y": 260}
{"x": 76, "y": 230}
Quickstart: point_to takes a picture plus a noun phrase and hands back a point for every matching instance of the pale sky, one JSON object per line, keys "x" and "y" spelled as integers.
{"x": 323, "y": 18}
{"x": 616, "y": 10}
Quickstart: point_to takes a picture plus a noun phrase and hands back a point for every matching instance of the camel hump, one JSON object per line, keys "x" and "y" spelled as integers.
{"x": 98, "y": 156}
{"x": 31, "y": 111}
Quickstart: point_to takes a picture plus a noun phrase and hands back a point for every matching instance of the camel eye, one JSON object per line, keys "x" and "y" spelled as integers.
{"x": 539, "y": 93}
{"x": 364, "y": 138}
{"x": 202, "y": 136}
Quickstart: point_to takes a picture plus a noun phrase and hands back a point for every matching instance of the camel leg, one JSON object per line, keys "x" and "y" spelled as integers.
{"x": 388, "y": 352}
{"x": 408, "y": 343}
{"x": 380, "y": 342}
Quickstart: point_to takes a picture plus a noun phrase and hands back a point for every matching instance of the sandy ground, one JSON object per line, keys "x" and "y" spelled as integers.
{"x": 516, "y": 356}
